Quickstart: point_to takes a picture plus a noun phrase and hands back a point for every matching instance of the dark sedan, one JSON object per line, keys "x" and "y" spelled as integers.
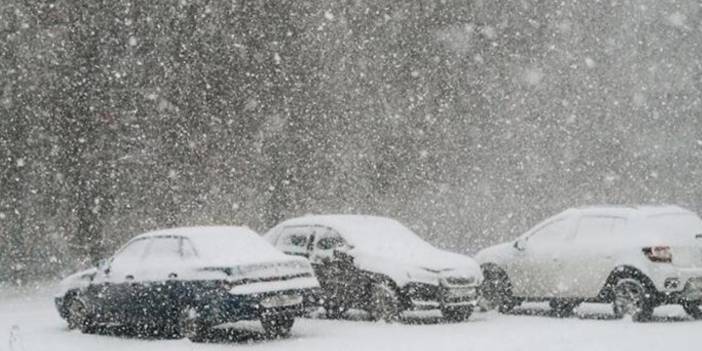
{"x": 185, "y": 281}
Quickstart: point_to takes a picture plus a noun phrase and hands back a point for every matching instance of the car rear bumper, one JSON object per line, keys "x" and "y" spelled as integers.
{"x": 691, "y": 292}
{"x": 675, "y": 283}
{"x": 232, "y": 308}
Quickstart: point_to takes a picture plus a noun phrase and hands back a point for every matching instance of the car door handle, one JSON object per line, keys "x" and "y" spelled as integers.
{"x": 129, "y": 277}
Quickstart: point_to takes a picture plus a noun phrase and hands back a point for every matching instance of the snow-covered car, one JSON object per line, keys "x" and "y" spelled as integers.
{"x": 185, "y": 281}
{"x": 636, "y": 258}
{"x": 378, "y": 265}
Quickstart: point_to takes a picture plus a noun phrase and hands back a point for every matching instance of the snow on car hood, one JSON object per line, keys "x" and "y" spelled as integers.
{"x": 76, "y": 280}
{"x": 428, "y": 267}
{"x": 495, "y": 254}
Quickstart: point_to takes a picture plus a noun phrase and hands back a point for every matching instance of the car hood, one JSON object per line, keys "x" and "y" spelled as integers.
{"x": 494, "y": 254}
{"x": 429, "y": 267}
{"x": 76, "y": 280}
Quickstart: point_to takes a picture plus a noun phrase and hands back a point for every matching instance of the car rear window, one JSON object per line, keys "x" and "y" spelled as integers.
{"x": 676, "y": 223}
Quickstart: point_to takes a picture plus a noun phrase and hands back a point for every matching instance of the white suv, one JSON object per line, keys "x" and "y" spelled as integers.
{"x": 378, "y": 265}
{"x": 636, "y": 258}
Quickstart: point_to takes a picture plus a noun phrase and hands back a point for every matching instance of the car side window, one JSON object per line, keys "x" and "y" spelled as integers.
{"x": 329, "y": 243}
{"x": 130, "y": 256}
{"x": 550, "y": 233}
{"x": 597, "y": 229}
{"x": 329, "y": 240}
{"x": 164, "y": 249}
{"x": 187, "y": 249}
{"x": 294, "y": 240}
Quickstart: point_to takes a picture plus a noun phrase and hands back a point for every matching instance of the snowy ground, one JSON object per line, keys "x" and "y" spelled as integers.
{"x": 37, "y": 327}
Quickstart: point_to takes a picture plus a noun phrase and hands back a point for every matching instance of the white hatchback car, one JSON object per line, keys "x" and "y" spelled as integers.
{"x": 636, "y": 258}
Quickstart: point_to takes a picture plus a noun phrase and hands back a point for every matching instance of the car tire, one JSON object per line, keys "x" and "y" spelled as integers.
{"x": 693, "y": 309}
{"x": 457, "y": 314}
{"x": 191, "y": 326}
{"x": 632, "y": 297}
{"x": 277, "y": 326}
{"x": 334, "y": 311}
{"x": 385, "y": 302}
{"x": 79, "y": 317}
{"x": 496, "y": 290}
{"x": 563, "y": 308}
{"x": 167, "y": 330}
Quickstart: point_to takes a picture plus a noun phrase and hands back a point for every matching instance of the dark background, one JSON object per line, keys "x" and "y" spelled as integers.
{"x": 467, "y": 120}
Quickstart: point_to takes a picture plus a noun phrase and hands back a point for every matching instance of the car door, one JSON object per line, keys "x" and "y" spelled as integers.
{"x": 534, "y": 269}
{"x": 335, "y": 275}
{"x": 114, "y": 286}
{"x": 159, "y": 277}
{"x": 592, "y": 255}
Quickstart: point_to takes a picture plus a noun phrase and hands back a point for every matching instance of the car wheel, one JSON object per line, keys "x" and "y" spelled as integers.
{"x": 457, "y": 314}
{"x": 563, "y": 309}
{"x": 191, "y": 326}
{"x": 693, "y": 309}
{"x": 633, "y": 298}
{"x": 385, "y": 303}
{"x": 277, "y": 326}
{"x": 496, "y": 291}
{"x": 79, "y": 317}
{"x": 334, "y": 311}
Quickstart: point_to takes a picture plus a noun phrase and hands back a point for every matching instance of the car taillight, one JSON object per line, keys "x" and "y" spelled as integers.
{"x": 658, "y": 254}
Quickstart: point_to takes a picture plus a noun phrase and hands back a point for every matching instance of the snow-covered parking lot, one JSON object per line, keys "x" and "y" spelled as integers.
{"x": 29, "y": 322}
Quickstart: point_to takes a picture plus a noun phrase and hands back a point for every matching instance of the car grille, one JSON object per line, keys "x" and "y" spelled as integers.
{"x": 423, "y": 292}
{"x": 440, "y": 294}
{"x": 460, "y": 281}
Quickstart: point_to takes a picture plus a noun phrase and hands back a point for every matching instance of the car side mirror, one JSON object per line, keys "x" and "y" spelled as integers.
{"x": 104, "y": 266}
{"x": 520, "y": 244}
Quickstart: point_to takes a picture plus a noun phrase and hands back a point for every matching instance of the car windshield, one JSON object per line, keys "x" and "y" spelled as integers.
{"x": 385, "y": 237}
{"x": 232, "y": 247}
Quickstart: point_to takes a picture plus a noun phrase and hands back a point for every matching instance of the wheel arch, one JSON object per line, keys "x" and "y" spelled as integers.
{"x": 374, "y": 278}
{"x": 623, "y": 271}
{"x": 494, "y": 268}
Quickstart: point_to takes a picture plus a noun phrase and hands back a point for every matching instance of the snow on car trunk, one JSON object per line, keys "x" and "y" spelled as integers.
{"x": 231, "y": 246}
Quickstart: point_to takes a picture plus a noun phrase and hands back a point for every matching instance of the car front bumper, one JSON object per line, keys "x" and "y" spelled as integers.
{"x": 422, "y": 296}
{"x": 60, "y": 307}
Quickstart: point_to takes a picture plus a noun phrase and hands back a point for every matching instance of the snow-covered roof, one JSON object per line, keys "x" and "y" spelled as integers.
{"x": 223, "y": 244}
{"x": 630, "y": 211}
{"x": 367, "y": 231}
{"x": 199, "y": 231}
{"x": 359, "y": 229}
{"x": 344, "y": 223}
